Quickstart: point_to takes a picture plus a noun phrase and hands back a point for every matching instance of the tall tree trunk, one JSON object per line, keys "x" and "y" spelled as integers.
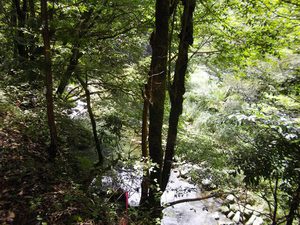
{"x": 20, "y": 10}
{"x": 13, "y": 23}
{"x": 48, "y": 80}
{"x": 157, "y": 84}
{"x": 32, "y": 46}
{"x": 293, "y": 206}
{"x": 92, "y": 119}
{"x": 177, "y": 88}
{"x": 31, "y": 8}
{"x": 275, "y": 191}
{"x": 145, "y": 154}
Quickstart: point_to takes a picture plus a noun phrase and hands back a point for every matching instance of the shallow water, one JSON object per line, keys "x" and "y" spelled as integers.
{"x": 189, "y": 213}
{"x": 203, "y": 212}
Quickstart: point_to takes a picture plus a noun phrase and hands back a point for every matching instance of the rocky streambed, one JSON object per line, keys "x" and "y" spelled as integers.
{"x": 209, "y": 211}
{"x": 189, "y": 213}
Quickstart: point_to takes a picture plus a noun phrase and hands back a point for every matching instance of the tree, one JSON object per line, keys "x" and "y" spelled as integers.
{"x": 157, "y": 86}
{"x": 48, "y": 80}
{"x": 155, "y": 94}
{"x": 85, "y": 87}
{"x": 177, "y": 88}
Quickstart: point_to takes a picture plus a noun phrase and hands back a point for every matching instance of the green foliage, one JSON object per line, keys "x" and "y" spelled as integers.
{"x": 244, "y": 115}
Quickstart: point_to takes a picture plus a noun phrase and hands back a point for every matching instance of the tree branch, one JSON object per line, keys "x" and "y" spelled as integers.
{"x": 191, "y": 199}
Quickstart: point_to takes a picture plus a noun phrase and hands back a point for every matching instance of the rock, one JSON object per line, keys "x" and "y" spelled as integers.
{"x": 258, "y": 221}
{"x": 234, "y": 207}
{"x": 230, "y": 215}
{"x": 230, "y": 198}
{"x": 247, "y": 210}
{"x": 237, "y": 217}
{"x": 196, "y": 167}
{"x": 207, "y": 184}
{"x": 224, "y": 209}
{"x": 255, "y": 213}
{"x": 251, "y": 220}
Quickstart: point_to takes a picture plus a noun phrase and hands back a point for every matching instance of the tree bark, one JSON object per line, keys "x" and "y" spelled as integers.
{"x": 31, "y": 8}
{"x": 177, "y": 88}
{"x": 92, "y": 119}
{"x": 32, "y": 44}
{"x": 274, "y": 217}
{"x": 145, "y": 154}
{"x": 293, "y": 206}
{"x": 157, "y": 84}
{"x": 20, "y": 21}
{"x": 52, "y": 150}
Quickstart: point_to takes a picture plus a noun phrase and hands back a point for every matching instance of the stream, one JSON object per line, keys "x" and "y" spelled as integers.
{"x": 204, "y": 212}
{"x": 189, "y": 213}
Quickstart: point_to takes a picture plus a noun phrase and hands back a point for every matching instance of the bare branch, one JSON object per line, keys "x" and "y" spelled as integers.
{"x": 191, "y": 199}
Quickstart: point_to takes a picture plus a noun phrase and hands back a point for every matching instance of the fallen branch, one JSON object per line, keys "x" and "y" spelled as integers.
{"x": 191, "y": 200}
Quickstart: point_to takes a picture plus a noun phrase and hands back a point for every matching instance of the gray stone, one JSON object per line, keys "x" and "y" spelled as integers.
{"x": 256, "y": 213}
{"x": 207, "y": 184}
{"x": 258, "y": 221}
{"x": 234, "y": 207}
{"x": 230, "y": 198}
{"x": 224, "y": 209}
{"x": 237, "y": 217}
{"x": 248, "y": 210}
{"x": 251, "y": 220}
{"x": 230, "y": 215}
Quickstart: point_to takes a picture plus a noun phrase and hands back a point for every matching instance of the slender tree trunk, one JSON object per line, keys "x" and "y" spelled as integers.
{"x": 92, "y": 119}
{"x": 31, "y": 8}
{"x": 157, "y": 84}
{"x": 13, "y": 23}
{"x": 48, "y": 80}
{"x": 274, "y": 217}
{"x": 32, "y": 46}
{"x": 20, "y": 10}
{"x": 177, "y": 88}
{"x": 293, "y": 206}
{"x": 145, "y": 154}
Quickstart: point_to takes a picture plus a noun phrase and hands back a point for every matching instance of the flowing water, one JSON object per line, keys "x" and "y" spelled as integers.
{"x": 204, "y": 212}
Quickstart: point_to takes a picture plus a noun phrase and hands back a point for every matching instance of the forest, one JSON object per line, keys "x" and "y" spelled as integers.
{"x": 141, "y": 112}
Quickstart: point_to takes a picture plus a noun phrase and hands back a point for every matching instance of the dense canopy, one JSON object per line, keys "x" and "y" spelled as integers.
{"x": 90, "y": 89}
